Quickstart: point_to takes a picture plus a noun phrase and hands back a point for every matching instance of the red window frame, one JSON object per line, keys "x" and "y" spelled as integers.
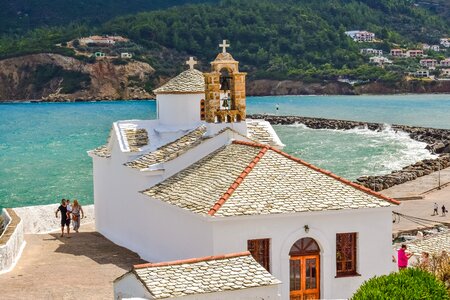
{"x": 346, "y": 254}
{"x": 260, "y": 250}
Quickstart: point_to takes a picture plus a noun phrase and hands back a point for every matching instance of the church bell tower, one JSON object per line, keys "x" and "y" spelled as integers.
{"x": 224, "y": 90}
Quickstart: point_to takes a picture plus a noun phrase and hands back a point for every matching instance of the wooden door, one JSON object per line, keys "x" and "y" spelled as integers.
{"x": 304, "y": 277}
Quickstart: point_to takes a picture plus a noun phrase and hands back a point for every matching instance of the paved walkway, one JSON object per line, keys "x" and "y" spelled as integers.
{"x": 419, "y": 186}
{"x": 425, "y": 190}
{"x": 81, "y": 267}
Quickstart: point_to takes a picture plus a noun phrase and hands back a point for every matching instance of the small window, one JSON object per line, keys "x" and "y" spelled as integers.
{"x": 346, "y": 254}
{"x": 260, "y": 250}
{"x": 202, "y": 109}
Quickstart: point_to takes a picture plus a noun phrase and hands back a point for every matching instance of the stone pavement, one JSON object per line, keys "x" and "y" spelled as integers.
{"x": 81, "y": 267}
{"x": 424, "y": 191}
{"x": 419, "y": 186}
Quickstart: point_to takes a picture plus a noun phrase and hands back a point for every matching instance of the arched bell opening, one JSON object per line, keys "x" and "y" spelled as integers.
{"x": 304, "y": 268}
{"x": 226, "y": 86}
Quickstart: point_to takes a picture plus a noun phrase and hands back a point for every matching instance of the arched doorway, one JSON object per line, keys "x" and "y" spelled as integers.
{"x": 304, "y": 268}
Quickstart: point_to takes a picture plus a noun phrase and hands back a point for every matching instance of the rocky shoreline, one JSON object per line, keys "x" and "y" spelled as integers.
{"x": 437, "y": 140}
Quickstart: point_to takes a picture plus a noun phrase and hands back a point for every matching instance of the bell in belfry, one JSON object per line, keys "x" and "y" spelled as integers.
{"x": 225, "y": 102}
{"x": 224, "y": 83}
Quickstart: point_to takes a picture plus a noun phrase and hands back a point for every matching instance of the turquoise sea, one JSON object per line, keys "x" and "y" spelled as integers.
{"x": 43, "y": 145}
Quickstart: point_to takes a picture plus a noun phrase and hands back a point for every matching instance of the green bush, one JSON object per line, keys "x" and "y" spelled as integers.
{"x": 411, "y": 283}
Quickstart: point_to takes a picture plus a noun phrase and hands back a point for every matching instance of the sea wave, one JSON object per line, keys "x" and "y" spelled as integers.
{"x": 355, "y": 152}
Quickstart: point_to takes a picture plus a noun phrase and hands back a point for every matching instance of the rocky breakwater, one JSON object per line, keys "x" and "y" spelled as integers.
{"x": 437, "y": 140}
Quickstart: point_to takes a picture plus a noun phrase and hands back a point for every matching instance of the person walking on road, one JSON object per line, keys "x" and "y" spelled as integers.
{"x": 444, "y": 210}
{"x": 65, "y": 217}
{"x": 435, "y": 211}
{"x": 76, "y": 218}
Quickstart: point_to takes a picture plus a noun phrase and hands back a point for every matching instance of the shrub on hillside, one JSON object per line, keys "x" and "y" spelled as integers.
{"x": 412, "y": 283}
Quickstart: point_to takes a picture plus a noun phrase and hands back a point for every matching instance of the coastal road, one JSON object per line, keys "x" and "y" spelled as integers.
{"x": 81, "y": 267}
{"x": 424, "y": 189}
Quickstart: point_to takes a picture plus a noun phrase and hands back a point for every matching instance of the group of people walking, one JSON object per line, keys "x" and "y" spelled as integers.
{"x": 436, "y": 210}
{"x": 70, "y": 212}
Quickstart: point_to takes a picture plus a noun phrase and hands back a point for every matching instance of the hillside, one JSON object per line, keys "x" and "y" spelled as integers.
{"x": 438, "y": 7}
{"x": 55, "y": 77}
{"x": 287, "y": 39}
{"x": 18, "y": 16}
{"x": 273, "y": 39}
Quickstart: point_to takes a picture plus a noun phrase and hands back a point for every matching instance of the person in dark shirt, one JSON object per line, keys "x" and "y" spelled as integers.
{"x": 65, "y": 217}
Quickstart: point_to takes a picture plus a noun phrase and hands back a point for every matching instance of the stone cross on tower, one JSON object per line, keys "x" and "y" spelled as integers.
{"x": 224, "y": 46}
{"x": 191, "y": 62}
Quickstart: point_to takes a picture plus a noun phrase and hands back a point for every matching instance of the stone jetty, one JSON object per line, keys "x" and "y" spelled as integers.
{"x": 437, "y": 140}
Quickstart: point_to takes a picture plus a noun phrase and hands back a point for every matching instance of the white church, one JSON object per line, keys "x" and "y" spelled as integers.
{"x": 209, "y": 198}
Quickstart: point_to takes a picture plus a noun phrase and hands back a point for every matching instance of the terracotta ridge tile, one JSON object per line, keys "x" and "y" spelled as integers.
{"x": 191, "y": 260}
{"x": 240, "y": 178}
{"x": 326, "y": 172}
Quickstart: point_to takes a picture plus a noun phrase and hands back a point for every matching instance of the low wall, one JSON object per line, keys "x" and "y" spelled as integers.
{"x": 437, "y": 140}
{"x": 11, "y": 240}
{"x": 41, "y": 219}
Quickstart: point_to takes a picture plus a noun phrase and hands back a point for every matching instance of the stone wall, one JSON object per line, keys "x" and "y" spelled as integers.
{"x": 437, "y": 140}
{"x": 11, "y": 241}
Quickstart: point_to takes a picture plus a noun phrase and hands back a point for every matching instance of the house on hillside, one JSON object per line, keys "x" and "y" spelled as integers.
{"x": 380, "y": 60}
{"x": 204, "y": 180}
{"x": 397, "y": 52}
{"x": 445, "y": 62}
{"x": 361, "y": 36}
{"x": 445, "y": 42}
{"x": 102, "y": 40}
{"x": 414, "y": 53}
{"x": 445, "y": 72}
{"x": 420, "y": 74}
{"x": 429, "y": 63}
{"x": 371, "y": 51}
{"x": 99, "y": 55}
{"x": 435, "y": 48}
{"x": 126, "y": 55}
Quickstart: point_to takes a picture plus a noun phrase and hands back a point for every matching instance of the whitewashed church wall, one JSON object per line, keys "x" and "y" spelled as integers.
{"x": 179, "y": 109}
{"x": 374, "y": 227}
{"x": 130, "y": 287}
{"x": 152, "y": 228}
{"x": 170, "y": 233}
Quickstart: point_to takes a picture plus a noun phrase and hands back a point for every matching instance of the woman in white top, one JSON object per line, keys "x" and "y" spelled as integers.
{"x": 76, "y": 210}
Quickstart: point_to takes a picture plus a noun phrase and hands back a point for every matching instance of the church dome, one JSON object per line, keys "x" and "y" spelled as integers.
{"x": 188, "y": 82}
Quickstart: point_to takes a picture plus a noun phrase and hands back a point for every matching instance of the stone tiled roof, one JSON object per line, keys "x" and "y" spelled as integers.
{"x": 252, "y": 179}
{"x": 259, "y": 131}
{"x": 204, "y": 275}
{"x": 170, "y": 151}
{"x": 136, "y": 138}
{"x": 102, "y": 151}
{"x": 189, "y": 81}
{"x": 431, "y": 244}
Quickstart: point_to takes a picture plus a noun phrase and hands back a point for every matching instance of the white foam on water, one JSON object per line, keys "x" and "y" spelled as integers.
{"x": 381, "y": 151}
